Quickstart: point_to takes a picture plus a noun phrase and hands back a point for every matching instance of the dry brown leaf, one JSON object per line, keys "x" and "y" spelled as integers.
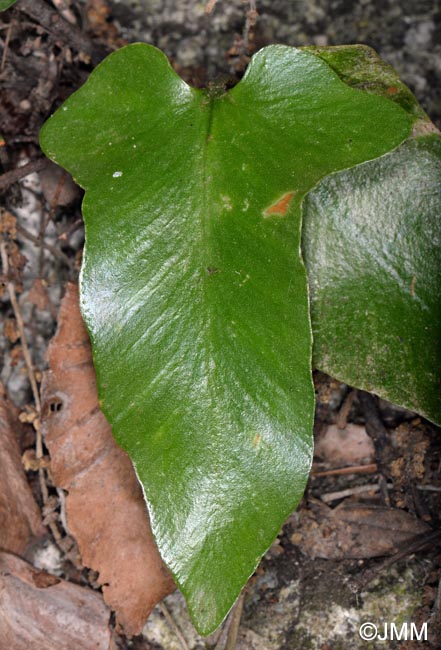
{"x": 20, "y": 519}
{"x": 8, "y": 224}
{"x": 58, "y": 186}
{"x": 354, "y": 530}
{"x": 43, "y": 612}
{"x": 38, "y": 295}
{"x": 105, "y": 507}
{"x": 348, "y": 446}
{"x": 10, "y": 330}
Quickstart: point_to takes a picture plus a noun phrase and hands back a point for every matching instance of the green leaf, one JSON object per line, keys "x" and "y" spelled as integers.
{"x": 399, "y": 358}
{"x": 194, "y": 291}
{"x": 372, "y": 241}
{"x": 5, "y": 4}
{"x": 360, "y": 67}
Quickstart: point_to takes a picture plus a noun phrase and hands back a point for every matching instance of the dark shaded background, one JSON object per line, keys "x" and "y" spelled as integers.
{"x": 406, "y": 33}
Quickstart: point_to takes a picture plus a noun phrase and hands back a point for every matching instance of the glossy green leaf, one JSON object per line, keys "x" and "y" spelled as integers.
{"x": 194, "y": 291}
{"x": 399, "y": 358}
{"x": 5, "y": 4}
{"x": 372, "y": 242}
{"x": 360, "y": 67}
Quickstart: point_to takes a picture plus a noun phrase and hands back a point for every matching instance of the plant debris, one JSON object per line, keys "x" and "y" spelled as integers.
{"x": 20, "y": 519}
{"x": 43, "y": 612}
{"x": 105, "y": 508}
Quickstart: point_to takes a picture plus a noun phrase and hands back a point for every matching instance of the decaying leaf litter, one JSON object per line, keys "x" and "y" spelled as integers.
{"x": 392, "y": 459}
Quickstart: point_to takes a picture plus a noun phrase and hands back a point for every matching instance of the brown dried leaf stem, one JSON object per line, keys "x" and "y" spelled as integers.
{"x": 7, "y": 179}
{"x": 52, "y": 249}
{"x": 175, "y": 627}
{"x": 20, "y": 324}
{"x": 7, "y": 41}
{"x": 233, "y": 631}
{"x": 356, "y": 469}
{"x": 32, "y": 379}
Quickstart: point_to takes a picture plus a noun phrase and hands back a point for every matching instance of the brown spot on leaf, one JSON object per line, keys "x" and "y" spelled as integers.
{"x": 256, "y": 440}
{"x": 412, "y": 286}
{"x": 281, "y": 206}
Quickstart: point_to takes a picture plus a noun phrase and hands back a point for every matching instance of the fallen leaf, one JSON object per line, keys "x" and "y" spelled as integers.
{"x": 20, "y": 519}
{"x": 354, "y": 530}
{"x": 106, "y": 511}
{"x": 10, "y": 329}
{"x": 348, "y": 446}
{"x": 38, "y": 294}
{"x": 58, "y": 186}
{"x": 8, "y": 224}
{"x": 43, "y": 612}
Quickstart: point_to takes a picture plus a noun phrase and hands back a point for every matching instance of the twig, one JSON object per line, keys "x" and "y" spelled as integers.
{"x": 5, "y": 49}
{"x": 374, "y": 424}
{"x": 428, "y": 488}
{"x": 233, "y": 631}
{"x": 250, "y": 22}
{"x": 20, "y": 324}
{"x": 7, "y": 179}
{"x": 357, "y": 469}
{"x": 29, "y": 366}
{"x": 170, "y": 620}
{"x": 418, "y": 543}
{"x": 52, "y": 249}
{"x": 359, "y": 489}
{"x": 342, "y": 418}
{"x": 64, "y": 236}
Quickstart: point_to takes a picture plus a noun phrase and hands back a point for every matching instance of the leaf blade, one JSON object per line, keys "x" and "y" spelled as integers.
{"x": 371, "y": 240}
{"x": 197, "y": 303}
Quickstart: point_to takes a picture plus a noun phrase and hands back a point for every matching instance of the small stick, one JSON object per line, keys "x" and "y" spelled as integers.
{"x": 70, "y": 230}
{"x": 29, "y": 366}
{"x": 359, "y": 489}
{"x": 170, "y": 620}
{"x": 251, "y": 19}
{"x": 52, "y": 249}
{"x": 7, "y": 179}
{"x": 357, "y": 469}
{"x": 5, "y": 49}
{"x": 342, "y": 418}
{"x": 428, "y": 488}
{"x": 20, "y": 324}
{"x": 233, "y": 631}
{"x": 418, "y": 543}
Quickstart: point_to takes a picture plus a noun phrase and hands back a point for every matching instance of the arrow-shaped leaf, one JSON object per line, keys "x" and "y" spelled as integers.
{"x": 194, "y": 290}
